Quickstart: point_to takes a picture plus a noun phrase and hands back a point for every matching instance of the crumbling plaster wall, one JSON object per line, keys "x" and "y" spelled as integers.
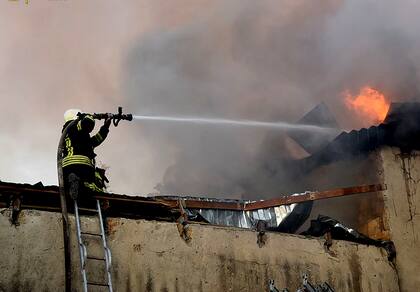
{"x": 402, "y": 198}
{"x": 151, "y": 256}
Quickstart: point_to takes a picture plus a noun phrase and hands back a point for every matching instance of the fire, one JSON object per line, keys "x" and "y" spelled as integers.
{"x": 370, "y": 104}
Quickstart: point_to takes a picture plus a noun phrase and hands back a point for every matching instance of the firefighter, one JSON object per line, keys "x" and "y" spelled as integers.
{"x": 78, "y": 163}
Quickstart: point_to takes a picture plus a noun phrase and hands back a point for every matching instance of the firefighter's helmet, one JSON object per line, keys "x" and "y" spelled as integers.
{"x": 71, "y": 115}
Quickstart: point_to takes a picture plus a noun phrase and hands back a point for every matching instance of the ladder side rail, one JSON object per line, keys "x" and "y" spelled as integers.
{"x": 107, "y": 251}
{"x": 82, "y": 247}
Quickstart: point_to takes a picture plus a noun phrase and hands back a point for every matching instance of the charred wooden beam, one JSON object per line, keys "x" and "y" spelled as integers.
{"x": 197, "y": 204}
{"x": 30, "y": 190}
{"x": 312, "y": 196}
{"x": 106, "y": 196}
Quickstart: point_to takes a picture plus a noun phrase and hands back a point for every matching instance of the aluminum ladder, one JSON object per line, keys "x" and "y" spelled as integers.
{"x": 84, "y": 257}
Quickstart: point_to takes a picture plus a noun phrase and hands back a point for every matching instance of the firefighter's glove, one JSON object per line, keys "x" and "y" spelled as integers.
{"x": 107, "y": 122}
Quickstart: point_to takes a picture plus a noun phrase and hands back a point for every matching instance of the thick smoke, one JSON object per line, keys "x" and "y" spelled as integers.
{"x": 263, "y": 60}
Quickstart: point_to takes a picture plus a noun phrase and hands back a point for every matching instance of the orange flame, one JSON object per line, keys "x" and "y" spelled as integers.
{"x": 370, "y": 104}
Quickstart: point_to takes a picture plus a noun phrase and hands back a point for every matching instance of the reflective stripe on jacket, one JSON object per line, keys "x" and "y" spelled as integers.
{"x": 77, "y": 159}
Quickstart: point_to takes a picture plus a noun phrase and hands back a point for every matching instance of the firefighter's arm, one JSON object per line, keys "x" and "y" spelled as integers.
{"x": 102, "y": 133}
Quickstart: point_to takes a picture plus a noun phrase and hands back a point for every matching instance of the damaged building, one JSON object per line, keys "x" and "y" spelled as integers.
{"x": 355, "y": 230}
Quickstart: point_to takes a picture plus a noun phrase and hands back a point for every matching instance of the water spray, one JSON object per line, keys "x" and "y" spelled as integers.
{"x": 116, "y": 118}
{"x": 228, "y": 122}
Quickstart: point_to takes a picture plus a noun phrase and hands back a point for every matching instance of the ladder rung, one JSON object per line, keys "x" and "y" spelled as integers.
{"x": 91, "y": 234}
{"x": 95, "y": 258}
{"x": 88, "y": 210}
{"x": 97, "y": 284}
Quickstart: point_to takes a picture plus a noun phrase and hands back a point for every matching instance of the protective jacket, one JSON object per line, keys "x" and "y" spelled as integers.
{"x": 79, "y": 145}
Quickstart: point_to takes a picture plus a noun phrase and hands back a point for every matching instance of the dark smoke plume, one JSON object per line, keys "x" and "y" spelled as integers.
{"x": 267, "y": 61}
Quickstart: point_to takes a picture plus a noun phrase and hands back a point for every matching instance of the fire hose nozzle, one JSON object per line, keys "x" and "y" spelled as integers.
{"x": 116, "y": 118}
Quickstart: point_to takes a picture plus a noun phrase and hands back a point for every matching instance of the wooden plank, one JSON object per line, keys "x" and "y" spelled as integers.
{"x": 42, "y": 208}
{"x": 164, "y": 203}
{"x": 199, "y": 204}
{"x": 107, "y": 196}
{"x": 21, "y": 190}
{"x": 312, "y": 196}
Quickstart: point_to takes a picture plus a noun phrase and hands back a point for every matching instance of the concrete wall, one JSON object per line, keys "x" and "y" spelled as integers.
{"x": 402, "y": 198}
{"x": 150, "y": 256}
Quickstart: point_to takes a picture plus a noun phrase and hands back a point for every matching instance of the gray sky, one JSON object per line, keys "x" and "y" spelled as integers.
{"x": 264, "y": 60}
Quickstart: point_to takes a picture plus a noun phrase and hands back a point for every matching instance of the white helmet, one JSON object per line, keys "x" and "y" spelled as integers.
{"x": 71, "y": 114}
